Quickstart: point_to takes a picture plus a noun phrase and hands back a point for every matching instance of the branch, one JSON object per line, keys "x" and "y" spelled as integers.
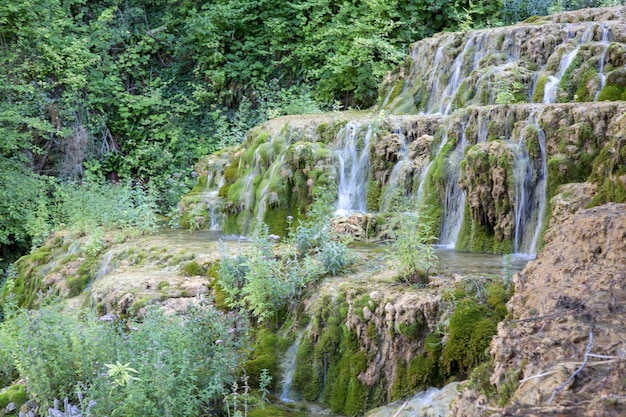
{"x": 577, "y": 371}
{"x": 401, "y": 408}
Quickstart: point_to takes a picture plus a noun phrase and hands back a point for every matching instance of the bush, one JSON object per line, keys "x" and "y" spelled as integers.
{"x": 264, "y": 284}
{"x": 181, "y": 365}
{"x": 411, "y": 247}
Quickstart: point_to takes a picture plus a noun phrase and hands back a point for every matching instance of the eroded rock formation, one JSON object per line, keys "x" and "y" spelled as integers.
{"x": 563, "y": 350}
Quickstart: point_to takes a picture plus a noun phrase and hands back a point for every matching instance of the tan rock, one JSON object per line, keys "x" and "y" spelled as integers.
{"x": 567, "y": 303}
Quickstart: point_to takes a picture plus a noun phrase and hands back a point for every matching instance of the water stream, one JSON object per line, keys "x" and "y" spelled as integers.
{"x": 454, "y": 203}
{"x": 288, "y": 368}
{"x": 353, "y": 157}
{"x": 551, "y": 87}
{"x": 606, "y": 31}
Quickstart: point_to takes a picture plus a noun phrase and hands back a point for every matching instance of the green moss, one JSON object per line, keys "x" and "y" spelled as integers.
{"x": 475, "y": 237}
{"x": 308, "y": 377}
{"x": 163, "y": 285}
{"x": 612, "y": 93}
{"x": 193, "y": 268}
{"x": 372, "y": 333}
{"x": 562, "y": 170}
{"x": 583, "y": 93}
{"x": 268, "y": 348}
{"x": 615, "y": 87}
{"x": 372, "y": 195}
{"x": 608, "y": 172}
{"x": 328, "y": 131}
{"x": 471, "y": 330}
{"x": 347, "y": 394}
{"x": 497, "y": 297}
{"x": 15, "y": 394}
{"x": 76, "y": 284}
{"x": 409, "y": 330}
{"x": 540, "y": 89}
{"x": 362, "y": 302}
{"x": 400, "y": 386}
{"x": 141, "y": 303}
{"x": 423, "y": 373}
{"x": 480, "y": 379}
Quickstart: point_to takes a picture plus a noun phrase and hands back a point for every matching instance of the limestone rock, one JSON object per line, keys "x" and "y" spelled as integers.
{"x": 567, "y": 303}
{"x": 358, "y": 225}
{"x": 571, "y": 198}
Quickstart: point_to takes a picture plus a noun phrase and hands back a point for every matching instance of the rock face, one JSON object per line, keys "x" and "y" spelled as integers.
{"x": 564, "y": 350}
{"x": 512, "y": 64}
{"x": 482, "y": 127}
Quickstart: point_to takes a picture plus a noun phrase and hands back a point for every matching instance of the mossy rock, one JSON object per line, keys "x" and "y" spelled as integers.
{"x": 328, "y": 131}
{"x": 609, "y": 173}
{"x": 615, "y": 86}
{"x": 540, "y": 87}
{"x": 140, "y": 303}
{"x": 193, "y": 268}
{"x": 15, "y": 394}
{"x": 372, "y": 195}
{"x": 471, "y": 328}
{"x": 76, "y": 284}
{"x": 268, "y": 348}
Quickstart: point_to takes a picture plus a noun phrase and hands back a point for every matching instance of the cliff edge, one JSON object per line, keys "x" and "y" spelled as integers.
{"x": 563, "y": 351}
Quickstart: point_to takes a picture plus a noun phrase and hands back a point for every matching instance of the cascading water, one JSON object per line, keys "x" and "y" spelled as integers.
{"x": 454, "y": 203}
{"x": 398, "y": 175}
{"x": 551, "y": 87}
{"x": 288, "y": 368}
{"x": 530, "y": 191}
{"x": 424, "y": 173}
{"x": 455, "y": 81}
{"x": 605, "y": 43}
{"x": 435, "y": 79}
{"x": 264, "y": 195}
{"x": 540, "y": 187}
{"x": 522, "y": 175}
{"x": 353, "y": 156}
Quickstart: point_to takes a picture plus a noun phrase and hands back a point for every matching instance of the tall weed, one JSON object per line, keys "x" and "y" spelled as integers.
{"x": 184, "y": 365}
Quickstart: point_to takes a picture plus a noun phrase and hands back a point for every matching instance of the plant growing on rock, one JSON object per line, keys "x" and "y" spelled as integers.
{"x": 413, "y": 235}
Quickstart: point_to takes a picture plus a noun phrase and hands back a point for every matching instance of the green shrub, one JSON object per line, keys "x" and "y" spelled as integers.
{"x": 181, "y": 364}
{"x": 411, "y": 248}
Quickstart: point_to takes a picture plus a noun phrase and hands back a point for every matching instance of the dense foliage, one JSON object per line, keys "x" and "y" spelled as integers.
{"x": 162, "y": 366}
{"x": 139, "y": 89}
{"x": 265, "y": 282}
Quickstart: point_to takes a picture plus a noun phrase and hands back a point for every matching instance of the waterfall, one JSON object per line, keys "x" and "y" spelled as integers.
{"x": 455, "y": 80}
{"x": 353, "y": 156}
{"x": 435, "y": 78}
{"x": 288, "y": 368}
{"x": 605, "y": 43}
{"x": 424, "y": 173}
{"x": 264, "y": 194}
{"x": 398, "y": 175}
{"x": 522, "y": 175}
{"x": 530, "y": 199}
{"x": 454, "y": 203}
{"x": 540, "y": 187}
{"x": 551, "y": 87}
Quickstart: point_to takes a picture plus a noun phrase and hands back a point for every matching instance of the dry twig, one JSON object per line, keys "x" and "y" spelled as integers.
{"x": 577, "y": 371}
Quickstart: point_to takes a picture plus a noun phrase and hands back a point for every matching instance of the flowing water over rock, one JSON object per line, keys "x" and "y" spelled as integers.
{"x": 463, "y": 137}
{"x": 353, "y": 157}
